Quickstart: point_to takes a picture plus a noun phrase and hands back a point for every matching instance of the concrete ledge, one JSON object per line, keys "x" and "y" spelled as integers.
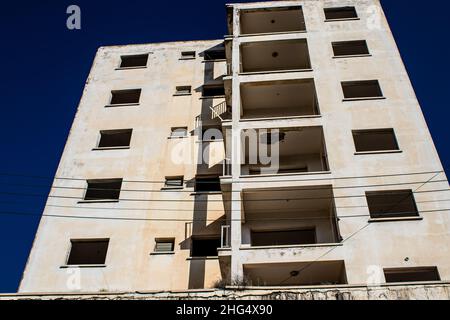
{"x": 439, "y": 290}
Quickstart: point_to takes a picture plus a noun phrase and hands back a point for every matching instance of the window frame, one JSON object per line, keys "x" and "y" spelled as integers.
{"x": 101, "y": 132}
{"x": 84, "y": 200}
{"x": 184, "y": 55}
{"x": 69, "y": 251}
{"x": 418, "y": 269}
{"x": 133, "y": 67}
{"x": 111, "y": 96}
{"x": 173, "y": 129}
{"x": 334, "y": 43}
{"x": 180, "y": 92}
{"x": 181, "y": 186}
{"x": 164, "y": 240}
{"x": 340, "y": 19}
{"x": 392, "y": 216}
{"x": 359, "y": 131}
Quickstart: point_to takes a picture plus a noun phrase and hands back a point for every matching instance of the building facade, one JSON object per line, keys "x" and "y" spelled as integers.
{"x": 291, "y": 153}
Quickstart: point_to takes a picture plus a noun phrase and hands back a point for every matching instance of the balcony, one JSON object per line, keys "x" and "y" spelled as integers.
{"x": 284, "y": 151}
{"x": 272, "y": 20}
{"x": 275, "y": 56}
{"x": 289, "y": 217}
{"x": 271, "y": 99}
{"x": 296, "y": 274}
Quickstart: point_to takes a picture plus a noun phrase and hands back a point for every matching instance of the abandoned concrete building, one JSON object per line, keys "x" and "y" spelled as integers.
{"x": 156, "y": 188}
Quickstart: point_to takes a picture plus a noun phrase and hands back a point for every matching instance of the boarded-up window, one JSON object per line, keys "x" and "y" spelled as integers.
{"x": 391, "y": 204}
{"x": 350, "y": 48}
{"x": 411, "y": 274}
{"x": 134, "y": 61}
{"x": 362, "y": 89}
{"x": 375, "y": 140}
{"x": 89, "y": 251}
{"x": 340, "y": 13}
{"x": 125, "y": 96}
{"x": 104, "y": 189}
{"x": 115, "y": 138}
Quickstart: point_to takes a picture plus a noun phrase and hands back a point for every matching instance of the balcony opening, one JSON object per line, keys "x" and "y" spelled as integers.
{"x": 296, "y": 273}
{"x": 392, "y": 204}
{"x": 350, "y": 48}
{"x": 125, "y": 96}
{"x": 362, "y": 89}
{"x": 88, "y": 251}
{"x": 272, "y": 20}
{"x": 213, "y": 91}
{"x": 341, "y": 13}
{"x": 271, "y": 99}
{"x": 164, "y": 245}
{"x": 103, "y": 189}
{"x": 207, "y": 184}
{"x": 205, "y": 247}
{"x": 375, "y": 140}
{"x": 134, "y": 61}
{"x": 115, "y": 138}
{"x": 289, "y": 216}
{"x": 411, "y": 274}
{"x": 273, "y": 56}
{"x": 291, "y": 150}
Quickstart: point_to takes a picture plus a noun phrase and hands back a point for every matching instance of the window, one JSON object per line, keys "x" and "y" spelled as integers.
{"x": 207, "y": 184}
{"x": 215, "y": 55}
{"x": 205, "y": 247}
{"x": 391, "y": 204}
{"x": 172, "y": 182}
{"x": 88, "y": 251}
{"x": 375, "y": 140}
{"x": 104, "y": 189}
{"x": 182, "y": 90}
{"x": 284, "y": 237}
{"x": 125, "y": 96}
{"x": 341, "y": 13}
{"x": 178, "y": 132}
{"x": 164, "y": 245}
{"x": 115, "y": 138}
{"x": 412, "y": 274}
{"x": 213, "y": 90}
{"x": 134, "y": 61}
{"x": 350, "y": 48}
{"x": 362, "y": 89}
{"x": 188, "y": 55}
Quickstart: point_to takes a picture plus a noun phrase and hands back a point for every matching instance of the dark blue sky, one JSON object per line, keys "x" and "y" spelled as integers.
{"x": 45, "y": 66}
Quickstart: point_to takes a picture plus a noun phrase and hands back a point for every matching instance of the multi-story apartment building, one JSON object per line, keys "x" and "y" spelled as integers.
{"x": 293, "y": 152}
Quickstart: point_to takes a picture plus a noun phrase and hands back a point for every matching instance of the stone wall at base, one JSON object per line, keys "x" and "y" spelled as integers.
{"x": 434, "y": 291}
